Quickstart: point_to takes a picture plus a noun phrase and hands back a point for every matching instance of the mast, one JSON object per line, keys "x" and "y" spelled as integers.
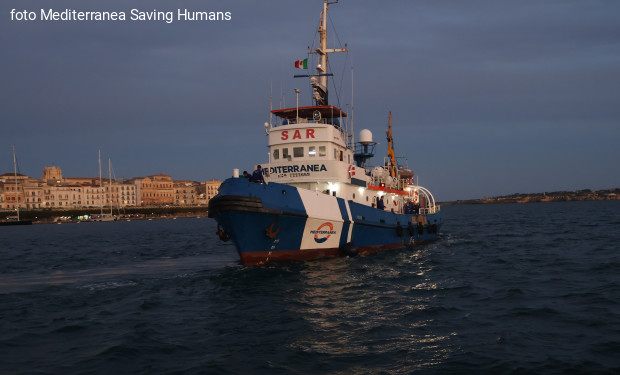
{"x": 110, "y": 188}
{"x": 390, "y": 152}
{"x": 100, "y": 185}
{"x": 16, "y": 191}
{"x": 320, "y": 85}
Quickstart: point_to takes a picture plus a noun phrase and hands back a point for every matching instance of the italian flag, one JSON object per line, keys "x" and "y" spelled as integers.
{"x": 301, "y": 64}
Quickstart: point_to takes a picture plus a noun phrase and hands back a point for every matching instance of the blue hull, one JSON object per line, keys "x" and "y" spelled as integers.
{"x": 276, "y": 222}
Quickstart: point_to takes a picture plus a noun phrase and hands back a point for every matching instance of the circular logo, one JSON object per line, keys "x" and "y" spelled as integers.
{"x": 322, "y": 233}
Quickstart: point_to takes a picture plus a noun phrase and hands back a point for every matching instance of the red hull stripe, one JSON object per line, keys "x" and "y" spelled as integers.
{"x": 257, "y": 258}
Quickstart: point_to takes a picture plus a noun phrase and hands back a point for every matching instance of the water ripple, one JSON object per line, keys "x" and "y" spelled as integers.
{"x": 507, "y": 289}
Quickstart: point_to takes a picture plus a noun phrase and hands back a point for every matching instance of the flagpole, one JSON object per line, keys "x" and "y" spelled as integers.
{"x": 297, "y": 94}
{"x": 271, "y": 106}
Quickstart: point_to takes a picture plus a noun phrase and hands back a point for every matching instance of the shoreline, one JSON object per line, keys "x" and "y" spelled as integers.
{"x": 556, "y": 196}
{"x": 48, "y": 216}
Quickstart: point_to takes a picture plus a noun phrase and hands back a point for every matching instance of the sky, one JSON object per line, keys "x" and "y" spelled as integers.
{"x": 487, "y": 97}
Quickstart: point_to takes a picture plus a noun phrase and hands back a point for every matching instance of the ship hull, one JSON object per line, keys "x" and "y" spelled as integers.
{"x": 277, "y": 223}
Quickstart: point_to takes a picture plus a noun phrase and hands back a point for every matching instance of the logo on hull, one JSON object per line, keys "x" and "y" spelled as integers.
{"x": 323, "y": 232}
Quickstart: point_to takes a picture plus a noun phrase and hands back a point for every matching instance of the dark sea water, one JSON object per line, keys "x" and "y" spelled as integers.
{"x": 507, "y": 289}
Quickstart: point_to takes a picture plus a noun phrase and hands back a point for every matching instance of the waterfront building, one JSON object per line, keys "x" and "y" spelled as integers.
{"x": 186, "y": 192}
{"x": 57, "y": 196}
{"x": 12, "y": 190}
{"x": 155, "y": 190}
{"x": 53, "y": 191}
{"x": 33, "y": 194}
{"x": 52, "y": 174}
{"x": 201, "y": 197}
{"x": 93, "y": 181}
{"x": 94, "y": 196}
{"x": 211, "y": 188}
{"x": 121, "y": 194}
{"x": 10, "y": 178}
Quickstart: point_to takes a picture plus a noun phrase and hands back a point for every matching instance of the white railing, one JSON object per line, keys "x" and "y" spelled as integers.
{"x": 431, "y": 206}
{"x": 430, "y": 210}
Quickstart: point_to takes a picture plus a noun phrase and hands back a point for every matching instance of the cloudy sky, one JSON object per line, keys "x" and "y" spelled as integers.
{"x": 487, "y": 97}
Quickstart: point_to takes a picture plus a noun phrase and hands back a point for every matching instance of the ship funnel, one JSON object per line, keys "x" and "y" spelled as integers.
{"x": 365, "y": 137}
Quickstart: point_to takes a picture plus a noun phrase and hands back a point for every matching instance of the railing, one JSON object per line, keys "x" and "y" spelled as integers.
{"x": 401, "y": 184}
{"x": 430, "y": 210}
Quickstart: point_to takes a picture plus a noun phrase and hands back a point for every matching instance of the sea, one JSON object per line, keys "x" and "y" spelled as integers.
{"x": 506, "y": 289}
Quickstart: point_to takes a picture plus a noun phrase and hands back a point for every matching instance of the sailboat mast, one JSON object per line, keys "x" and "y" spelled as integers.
{"x": 110, "y": 188}
{"x": 100, "y": 185}
{"x": 16, "y": 189}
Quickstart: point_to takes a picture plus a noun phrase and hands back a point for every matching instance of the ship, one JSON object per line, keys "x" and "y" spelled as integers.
{"x": 318, "y": 195}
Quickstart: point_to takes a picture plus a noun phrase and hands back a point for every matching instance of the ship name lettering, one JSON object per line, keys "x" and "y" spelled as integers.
{"x": 297, "y": 134}
{"x": 298, "y": 168}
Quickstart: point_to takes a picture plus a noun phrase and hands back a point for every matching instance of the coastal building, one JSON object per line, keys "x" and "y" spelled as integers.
{"x": 12, "y": 190}
{"x": 54, "y": 191}
{"x": 91, "y": 181}
{"x": 211, "y": 188}
{"x": 121, "y": 194}
{"x": 33, "y": 194}
{"x": 201, "y": 199}
{"x": 186, "y": 192}
{"x": 52, "y": 174}
{"x": 94, "y": 196}
{"x": 11, "y": 177}
{"x": 57, "y": 196}
{"x": 155, "y": 190}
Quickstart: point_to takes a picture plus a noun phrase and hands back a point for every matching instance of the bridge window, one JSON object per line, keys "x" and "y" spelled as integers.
{"x": 298, "y": 152}
{"x": 285, "y": 154}
{"x": 276, "y": 154}
{"x": 335, "y": 154}
{"x": 312, "y": 151}
{"x": 322, "y": 151}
